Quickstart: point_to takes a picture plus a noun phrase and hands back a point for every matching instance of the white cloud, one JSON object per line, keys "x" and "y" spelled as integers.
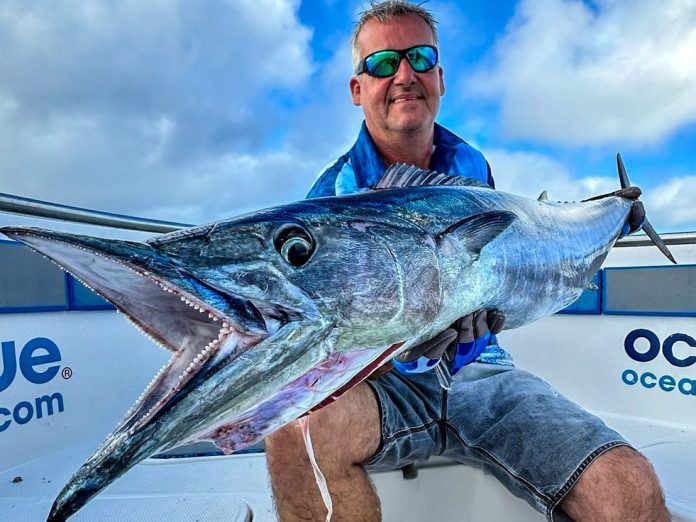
{"x": 669, "y": 206}
{"x": 168, "y": 109}
{"x": 328, "y": 123}
{"x": 672, "y": 206}
{"x": 229, "y": 185}
{"x": 619, "y": 71}
{"x": 530, "y": 173}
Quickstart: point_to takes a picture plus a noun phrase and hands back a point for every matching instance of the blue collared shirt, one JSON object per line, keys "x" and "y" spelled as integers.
{"x": 362, "y": 166}
{"x": 359, "y": 169}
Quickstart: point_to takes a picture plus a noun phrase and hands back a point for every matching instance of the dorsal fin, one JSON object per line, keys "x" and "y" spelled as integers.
{"x": 543, "y": 196}
{"x": 402, "y": 175}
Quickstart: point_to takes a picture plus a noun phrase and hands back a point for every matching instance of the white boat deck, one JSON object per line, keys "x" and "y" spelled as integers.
{"x": 236, "y": 489}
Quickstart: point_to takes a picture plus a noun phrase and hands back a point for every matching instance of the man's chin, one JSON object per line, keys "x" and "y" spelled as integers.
{"x": 412, "y": 127}
{"x": 410, "y": 121}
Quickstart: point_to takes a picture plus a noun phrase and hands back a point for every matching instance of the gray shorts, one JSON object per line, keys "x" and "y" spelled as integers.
{"x": 533, "y": 439}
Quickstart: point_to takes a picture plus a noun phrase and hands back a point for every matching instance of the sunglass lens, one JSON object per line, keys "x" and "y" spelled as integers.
{"x": 382, "y": 64}
{"x": 422, "y": 58}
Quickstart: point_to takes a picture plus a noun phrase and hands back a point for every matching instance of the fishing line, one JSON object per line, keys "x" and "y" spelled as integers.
{"x": 318, "y": 475}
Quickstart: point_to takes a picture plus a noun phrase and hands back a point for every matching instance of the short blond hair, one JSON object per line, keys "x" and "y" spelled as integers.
{"x": 385, "y": 12}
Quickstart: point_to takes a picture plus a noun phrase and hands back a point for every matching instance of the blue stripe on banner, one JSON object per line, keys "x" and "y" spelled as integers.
{"x": 82, "y": 298}
{"x": 31, "y": 309}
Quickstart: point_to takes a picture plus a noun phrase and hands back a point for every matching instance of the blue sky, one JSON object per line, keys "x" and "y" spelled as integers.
{"x": 199, "y": 111}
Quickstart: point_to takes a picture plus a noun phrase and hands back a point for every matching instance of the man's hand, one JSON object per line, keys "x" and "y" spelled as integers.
{"x": 460, "y": 344}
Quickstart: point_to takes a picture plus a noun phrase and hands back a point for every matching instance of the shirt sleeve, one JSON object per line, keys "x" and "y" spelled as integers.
{"x": 337, "y": 179}
{"x": 325, "y": 184}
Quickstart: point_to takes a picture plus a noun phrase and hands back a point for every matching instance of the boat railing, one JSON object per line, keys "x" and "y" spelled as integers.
{"x": 44, "y": 209}
{"x": 670, "y": 238}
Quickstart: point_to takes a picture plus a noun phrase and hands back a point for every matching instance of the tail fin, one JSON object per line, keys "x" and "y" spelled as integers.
{"x": 628, "y": 192}
{"x": 647, "y": 227}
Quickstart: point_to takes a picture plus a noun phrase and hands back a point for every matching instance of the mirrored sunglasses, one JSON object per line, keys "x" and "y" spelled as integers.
{"x": 383, "y": 64}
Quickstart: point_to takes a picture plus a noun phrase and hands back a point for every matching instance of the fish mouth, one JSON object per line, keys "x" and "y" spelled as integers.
{"x": 167, "y": 304}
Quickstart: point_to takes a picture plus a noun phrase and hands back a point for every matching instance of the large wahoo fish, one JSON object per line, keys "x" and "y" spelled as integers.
{"x": 277, "y": 312}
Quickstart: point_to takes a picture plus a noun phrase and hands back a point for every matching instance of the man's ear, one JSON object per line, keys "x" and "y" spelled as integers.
{"x": 441, "y": 73}
{"x": 355, "y": 90}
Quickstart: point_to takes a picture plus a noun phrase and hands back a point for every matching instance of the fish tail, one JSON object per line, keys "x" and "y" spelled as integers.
{"x": 627, "y": 191}
{"x": 645, "y": 224}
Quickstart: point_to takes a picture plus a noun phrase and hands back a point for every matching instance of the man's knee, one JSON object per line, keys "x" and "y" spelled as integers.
{"x": 620, "y": 482}
{"x": 286, "y": 443}
{"x": 344, "y": 433}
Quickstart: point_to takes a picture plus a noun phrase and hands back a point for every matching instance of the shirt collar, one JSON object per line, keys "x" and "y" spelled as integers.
{"x": 368, "y": 165}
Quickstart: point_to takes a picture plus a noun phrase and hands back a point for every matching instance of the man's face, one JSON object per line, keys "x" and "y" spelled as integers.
{"x": 408, "y": 101}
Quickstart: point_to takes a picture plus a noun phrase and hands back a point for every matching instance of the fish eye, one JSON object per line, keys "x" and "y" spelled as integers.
{"x": 294, "y": 244}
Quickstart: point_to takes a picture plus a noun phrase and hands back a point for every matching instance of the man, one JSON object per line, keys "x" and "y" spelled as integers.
{"x": 542, "y": 447}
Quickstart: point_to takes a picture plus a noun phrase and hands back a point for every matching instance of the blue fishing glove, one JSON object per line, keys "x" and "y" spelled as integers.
{"x": 635, "y": 219}
{"x": 426, "y": 355}
{"x": 459, "y": 345}
{"x": 475, "y": 332}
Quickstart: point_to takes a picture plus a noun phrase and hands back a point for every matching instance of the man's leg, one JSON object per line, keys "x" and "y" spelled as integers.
{"x": 344, "y": 434}
{"x": 619, "y": 485}
{"x": 547, "y": 450}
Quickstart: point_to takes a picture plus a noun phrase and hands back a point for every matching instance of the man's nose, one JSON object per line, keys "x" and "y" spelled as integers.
{"x": 405, "y": 75}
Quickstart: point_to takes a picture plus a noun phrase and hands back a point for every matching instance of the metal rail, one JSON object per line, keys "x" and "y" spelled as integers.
{"x": 671, "y": 238}
{"x": 45, "y": 209}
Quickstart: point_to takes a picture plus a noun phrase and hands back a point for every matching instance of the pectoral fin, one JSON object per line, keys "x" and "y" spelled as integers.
{"x": 478, "y": 230}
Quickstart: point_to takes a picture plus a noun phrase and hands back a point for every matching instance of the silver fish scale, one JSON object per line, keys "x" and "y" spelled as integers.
{"x": 550, "y": 253}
